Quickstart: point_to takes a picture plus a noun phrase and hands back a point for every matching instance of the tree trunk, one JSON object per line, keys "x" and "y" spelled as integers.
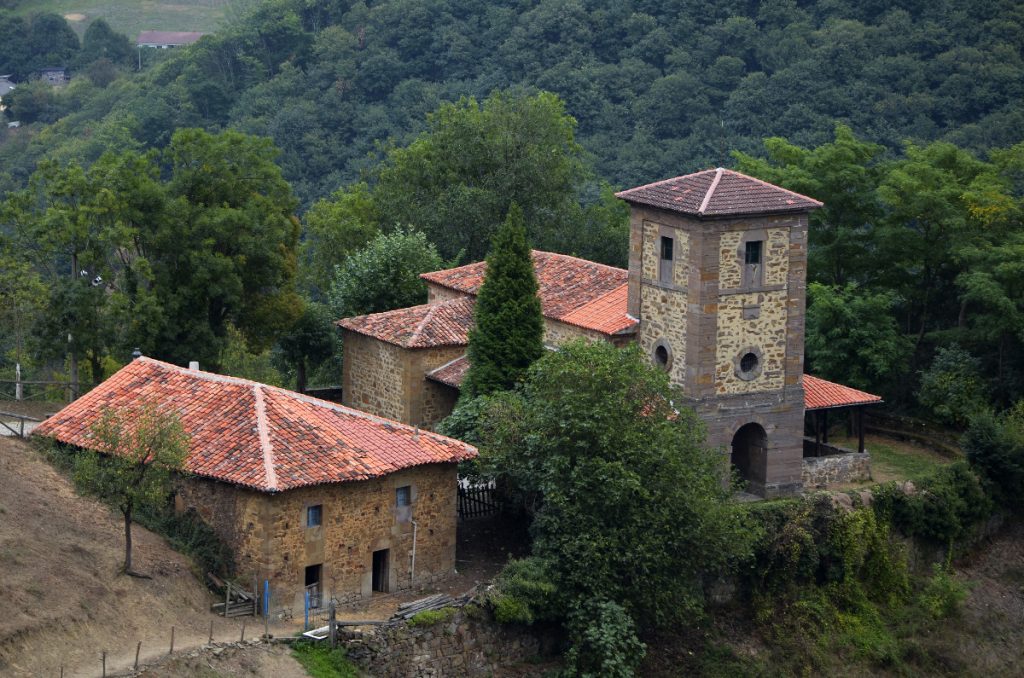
{"x": 72, "y": 354}
{"x": 300, "y": 376}
{"x": 127, "y": 540}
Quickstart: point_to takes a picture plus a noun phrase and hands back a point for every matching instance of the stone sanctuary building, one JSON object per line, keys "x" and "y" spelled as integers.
{"x": 715, "y": 294}
{"x": 310, "y": 495}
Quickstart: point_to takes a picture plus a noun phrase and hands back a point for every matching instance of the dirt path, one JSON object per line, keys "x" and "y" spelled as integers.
{"x": 64, "y": 600}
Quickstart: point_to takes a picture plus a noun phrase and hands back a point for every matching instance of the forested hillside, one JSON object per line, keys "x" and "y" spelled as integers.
{"x": 404, "y": 131}
{"x": 657, "y": 88}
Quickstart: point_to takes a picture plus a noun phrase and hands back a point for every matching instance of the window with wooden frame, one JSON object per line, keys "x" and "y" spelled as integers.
{"x": 666, "y": 255}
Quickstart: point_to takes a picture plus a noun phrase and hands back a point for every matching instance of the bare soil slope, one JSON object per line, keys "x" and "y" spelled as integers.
{"x": 62, "y": 596}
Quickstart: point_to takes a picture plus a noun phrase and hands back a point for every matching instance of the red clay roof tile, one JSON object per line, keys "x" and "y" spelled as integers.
{"x": 260, "y": 436}
{"x": 445, "y": 323}
{"x": 451, "y": 373}
{"x": 820, "y": 394}
{"x": 718, "y": 193}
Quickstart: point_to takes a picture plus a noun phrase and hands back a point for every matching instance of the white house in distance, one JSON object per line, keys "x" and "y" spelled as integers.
{"x": 5, "y": 88}
{"x": 167, "y": 39}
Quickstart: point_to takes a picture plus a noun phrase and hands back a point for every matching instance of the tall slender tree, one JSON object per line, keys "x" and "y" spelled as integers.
{"x": 509, "y": 331}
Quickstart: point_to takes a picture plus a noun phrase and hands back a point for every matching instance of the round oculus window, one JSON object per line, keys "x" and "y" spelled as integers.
{"x": 662, "y": 354}
{"x": 748, "y": 363}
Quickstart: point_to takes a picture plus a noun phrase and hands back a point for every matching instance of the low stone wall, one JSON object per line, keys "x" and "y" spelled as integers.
{"x": 470, "y": 643}
{"x": 848, "y": 467}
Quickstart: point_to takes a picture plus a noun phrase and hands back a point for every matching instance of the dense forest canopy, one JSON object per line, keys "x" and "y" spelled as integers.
{"x": 905, "y": 118}
{"x": 658, "y": 88}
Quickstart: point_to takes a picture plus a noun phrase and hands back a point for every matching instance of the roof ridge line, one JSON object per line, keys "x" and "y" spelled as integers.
{"x": 711, "y": 190}
{"x": 264, "y": 436}
{"x": 660, "y": 181}
{"x": 777, "y": 187}
{"x": 422, "y": 323}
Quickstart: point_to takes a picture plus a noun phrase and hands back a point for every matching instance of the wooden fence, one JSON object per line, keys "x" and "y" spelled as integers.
{"x": 478, "y": 502}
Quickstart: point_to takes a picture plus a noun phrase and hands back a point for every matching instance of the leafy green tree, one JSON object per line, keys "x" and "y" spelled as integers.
{"x": 384, "y": 275}
{"x": 994, "y": 445}
{"x": 311, "y": 341}
{"x": 458, "y": 179}
{"x": 845, "y": 175}
{"x": 508, "y": 334}
{"x": 51, "y": 41}
{"x": 852, "y": 337}
{"x": 953, "y": 387}
{"x": 226, "y": 250}
{"x": 133, "y": 460}
{"x": 335, "y": 228}
{"x": 632, "y": 506}
{"x": 102, "y": 42}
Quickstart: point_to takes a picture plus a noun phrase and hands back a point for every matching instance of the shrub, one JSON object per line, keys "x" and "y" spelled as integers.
{"x": 995, "y": 449}
{"x": 946, "y": 507}
{"x": 604, "y": 642}
{"x": 524, "y": 593}
{"x": 942, "y": 594}
{"x": 431, "y": 617}
{"x": 953, "y": 388}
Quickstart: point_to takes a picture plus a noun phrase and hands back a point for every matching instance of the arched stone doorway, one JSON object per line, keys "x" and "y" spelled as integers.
{"x": 749, "y": 455}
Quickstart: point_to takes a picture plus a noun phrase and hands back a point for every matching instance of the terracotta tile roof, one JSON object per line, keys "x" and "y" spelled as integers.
{"x": 446, "y": 323}
{"x": 820, "y": 394}
{"x": 451, "y": 373}
{"x": 718, "y": 192}
{"x": 260, "y": 436}
{"x": 572, "y": 290}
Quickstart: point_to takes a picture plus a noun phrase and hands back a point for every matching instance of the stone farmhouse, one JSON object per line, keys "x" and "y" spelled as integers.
{"x": 310, "y": 495}
{"x": 715, "y": 294}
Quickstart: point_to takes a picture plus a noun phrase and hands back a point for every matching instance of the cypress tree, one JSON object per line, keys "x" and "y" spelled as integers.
{"x": 509, "y": 331}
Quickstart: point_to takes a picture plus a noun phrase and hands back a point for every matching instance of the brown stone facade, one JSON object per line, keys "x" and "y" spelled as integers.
{"x": 710, "y": 313}
{"x": 390, "y": 381}
{"x": 269, "y": 535}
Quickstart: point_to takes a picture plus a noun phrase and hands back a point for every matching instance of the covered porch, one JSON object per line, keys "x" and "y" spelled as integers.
{"x": 824, "y": 400}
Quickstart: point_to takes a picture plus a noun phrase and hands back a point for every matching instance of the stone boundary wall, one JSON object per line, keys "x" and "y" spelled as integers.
{"x": 470, "y": 643}
{"x": 849, "y": 467}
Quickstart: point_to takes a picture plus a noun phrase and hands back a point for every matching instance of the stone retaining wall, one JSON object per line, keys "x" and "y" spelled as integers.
{"x": 470, "y": 643}
{"x": 850, "y": 467}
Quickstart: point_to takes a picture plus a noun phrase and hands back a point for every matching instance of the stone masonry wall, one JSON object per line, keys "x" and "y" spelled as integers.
{"x": 426, "y": 399}
{"x": 663, "y": 307}
{"x": 468, "y": 644}
{"x": 438, "y": 293}
{"x": 736, "y": 334}
{"x": 821, "y": 472}
{"x": 270, "y": 536}
{"x": 373, "y": 376}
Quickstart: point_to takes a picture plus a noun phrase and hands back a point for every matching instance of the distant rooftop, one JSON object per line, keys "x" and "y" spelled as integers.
{"x": 175, "y": 38}
{"x": 718, "y": 193}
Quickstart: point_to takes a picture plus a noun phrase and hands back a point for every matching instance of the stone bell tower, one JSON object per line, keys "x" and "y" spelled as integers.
{"x": 717, "y": 279}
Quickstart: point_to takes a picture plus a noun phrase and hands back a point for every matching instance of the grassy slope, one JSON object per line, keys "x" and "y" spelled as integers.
{"x": 131, "y": 16}
{"x": 59, "y": 558}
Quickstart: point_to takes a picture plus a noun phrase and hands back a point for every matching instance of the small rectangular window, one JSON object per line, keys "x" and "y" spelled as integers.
{"x": 403, "y": 496}
{"x": 754, "y": 252}
{"x": 665, "y": 262}
{"x": 666, "y": 248}
{"x": 314, "y": 515}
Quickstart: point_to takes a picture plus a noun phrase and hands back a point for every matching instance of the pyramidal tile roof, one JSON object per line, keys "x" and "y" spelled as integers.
{"x": 252, "y": 434}
{"x": 445, "y": 323}
{"x": 719, "y": 193}
{"x": 820, "y": 394}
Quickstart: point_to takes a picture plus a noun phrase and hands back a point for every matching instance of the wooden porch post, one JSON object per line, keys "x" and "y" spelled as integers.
{"x": 860, "y": 429}
{"x": 824, "y": 427}
{"x": 817, "y": 433}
